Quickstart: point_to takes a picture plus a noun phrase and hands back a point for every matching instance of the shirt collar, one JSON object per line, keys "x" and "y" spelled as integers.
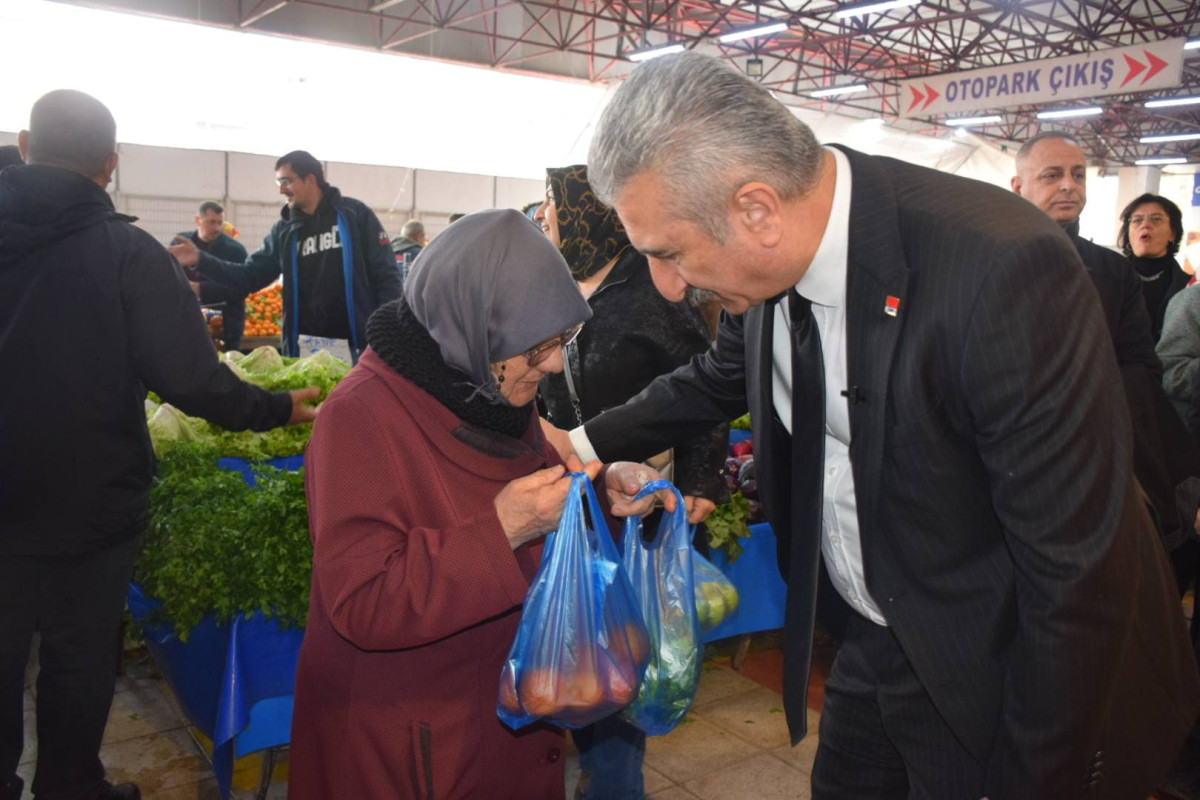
{"x": 824, "y": 283}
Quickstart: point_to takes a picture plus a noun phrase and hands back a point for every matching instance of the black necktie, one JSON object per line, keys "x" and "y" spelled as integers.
{"x": 807, "y": 485}
{"x": 808, "y": 406}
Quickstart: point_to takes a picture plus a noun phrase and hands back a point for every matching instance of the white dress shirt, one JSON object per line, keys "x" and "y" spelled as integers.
{"x": 824, "y": 284}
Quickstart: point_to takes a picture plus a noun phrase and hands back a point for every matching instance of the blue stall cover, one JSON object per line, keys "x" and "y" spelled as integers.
{"x": 761, "y": 590}
{"x": 245, "y": 467}
{"x": 234, "y": 681}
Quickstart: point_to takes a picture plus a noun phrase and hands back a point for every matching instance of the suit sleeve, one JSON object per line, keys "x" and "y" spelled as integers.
{"x": 259, "y": 270}
{"x": 699, "y": 460}
{"x": 388, "y": 584}
{"x": 689, "y": 402}
{"x": 173, "y": 352}
{"x": 381, "y": 261}
{"x": 1038, "y": 378}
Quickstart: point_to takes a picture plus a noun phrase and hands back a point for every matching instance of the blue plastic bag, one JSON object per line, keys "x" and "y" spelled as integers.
{"x": 661, "y": 572}
{"x": 716, "y": 596}
{"x": 581, "y": 647}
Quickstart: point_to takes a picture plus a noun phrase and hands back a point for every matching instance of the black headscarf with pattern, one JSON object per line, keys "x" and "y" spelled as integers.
{"x": 590, "y": 233}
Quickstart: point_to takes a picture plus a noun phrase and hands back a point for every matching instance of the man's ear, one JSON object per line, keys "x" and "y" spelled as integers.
{"x": 758, "y": 209}
{"x": 1016, "y": 183}
{"x": 23, "y": 145}
{"x": 110, "y": 166}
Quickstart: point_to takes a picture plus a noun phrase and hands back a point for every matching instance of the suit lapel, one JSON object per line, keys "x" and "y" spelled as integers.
{"x": 876, "y": 284}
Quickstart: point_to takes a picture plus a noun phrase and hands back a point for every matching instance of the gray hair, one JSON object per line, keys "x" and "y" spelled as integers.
{"x": 1026, "y": 150}
{"x": 705, "y": 130}
{"x": 414, "y": 227}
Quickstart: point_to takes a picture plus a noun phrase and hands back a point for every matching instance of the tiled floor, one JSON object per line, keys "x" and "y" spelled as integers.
{"x": 733, "y": 744}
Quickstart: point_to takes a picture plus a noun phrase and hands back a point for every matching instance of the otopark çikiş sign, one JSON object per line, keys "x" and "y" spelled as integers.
{"x": 1139, "y": 68}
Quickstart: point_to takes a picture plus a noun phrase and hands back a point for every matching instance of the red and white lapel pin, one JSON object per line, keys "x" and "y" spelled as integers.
{"x": 891, "y": 306}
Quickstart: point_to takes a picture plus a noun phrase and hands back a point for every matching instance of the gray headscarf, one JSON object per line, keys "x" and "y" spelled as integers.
{"x": 489, "y": 287}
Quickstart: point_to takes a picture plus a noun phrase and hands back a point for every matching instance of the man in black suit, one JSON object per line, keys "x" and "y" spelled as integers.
{"x": 933, "y": 423}
{"x": 1052, "y": 174}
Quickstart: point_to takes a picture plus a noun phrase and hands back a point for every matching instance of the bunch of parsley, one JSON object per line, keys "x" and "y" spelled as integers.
{"x": 216, "y": 545}
{"x": 727, "y": 526}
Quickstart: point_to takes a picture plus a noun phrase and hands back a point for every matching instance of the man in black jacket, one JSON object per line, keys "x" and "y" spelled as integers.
{"x": 95, "y": 312}
{"x": 210, "y": 237}
{"x": 1052, "y": 174}
{"x": 334, "y": 255}
{"x": 925, "y": 368}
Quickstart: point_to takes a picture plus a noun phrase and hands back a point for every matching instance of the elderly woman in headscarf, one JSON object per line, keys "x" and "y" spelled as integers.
{"x": 430, "y": 488}
{"x": 634, "y": 335}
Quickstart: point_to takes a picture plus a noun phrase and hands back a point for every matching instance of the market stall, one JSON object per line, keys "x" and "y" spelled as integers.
{"x": 221, "y": 588}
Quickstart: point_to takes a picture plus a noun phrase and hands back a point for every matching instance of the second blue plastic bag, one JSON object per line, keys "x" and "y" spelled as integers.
{"x": 581, "y": 647}
{"x": 661, "y": 573}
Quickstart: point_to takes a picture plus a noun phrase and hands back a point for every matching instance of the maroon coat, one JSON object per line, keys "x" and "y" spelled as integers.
{"x": 416, "y": 598}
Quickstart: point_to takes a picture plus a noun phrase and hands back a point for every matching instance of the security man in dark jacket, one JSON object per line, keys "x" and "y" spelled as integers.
{"x": 93, "y": 312}
{"x": 334, "y": 255}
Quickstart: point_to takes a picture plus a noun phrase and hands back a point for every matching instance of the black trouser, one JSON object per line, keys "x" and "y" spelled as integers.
{"x": 881, "y": 736}
{"x": 75, "y": 603}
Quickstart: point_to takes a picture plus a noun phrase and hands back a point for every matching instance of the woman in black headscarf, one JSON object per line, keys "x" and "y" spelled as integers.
{"x": 430, "y": 488}
{"x": 1151, "y": 230}
{"x": 634, "y": 335}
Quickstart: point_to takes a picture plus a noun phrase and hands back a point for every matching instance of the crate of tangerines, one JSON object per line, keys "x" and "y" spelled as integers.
{"x": 264, "y": 313}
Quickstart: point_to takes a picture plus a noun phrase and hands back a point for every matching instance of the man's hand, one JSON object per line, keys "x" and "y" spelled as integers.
{"x": 698, "y": 508}
{"x": 301, "y": 410}
{"x": 531, "y": 507}
{"x": 195, "y": 287}
{"x": 185, "y": 251}
{"x": 559, "y": 439}
{"x": 624, "y": 480}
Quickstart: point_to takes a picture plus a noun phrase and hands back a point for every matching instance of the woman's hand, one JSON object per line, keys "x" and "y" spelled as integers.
{"x": 530, "y": 507}
{"x": 624, "y": 479}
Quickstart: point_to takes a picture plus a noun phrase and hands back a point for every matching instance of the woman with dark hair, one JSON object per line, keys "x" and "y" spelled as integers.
{"x": 430, "y": 489}
{"x": 1151, "y": 230}
{"x": 634, "y": 335}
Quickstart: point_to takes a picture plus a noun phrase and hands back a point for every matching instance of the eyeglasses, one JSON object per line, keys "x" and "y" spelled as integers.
{"x": 540, "y": 352}
{"x": 1153, "y": 219}
{"x": 283, "y": 183}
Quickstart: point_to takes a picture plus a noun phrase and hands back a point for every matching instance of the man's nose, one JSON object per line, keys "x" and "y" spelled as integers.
{"x": 667, "y": 280}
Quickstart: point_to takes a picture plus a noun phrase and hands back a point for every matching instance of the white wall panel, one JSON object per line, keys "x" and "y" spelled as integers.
{"x": 451, "y": 192}
{"x": 517, "y": 192}
{"x": 162, "y": 217}
{"x": 252, "y": 178}
{"x": 253, "y": 221}
{"x": 378, "y": 187}
{"x": 172, "y": 172}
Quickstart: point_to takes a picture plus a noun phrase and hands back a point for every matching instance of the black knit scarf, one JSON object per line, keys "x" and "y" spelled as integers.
{"x": 404, "y": 344}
